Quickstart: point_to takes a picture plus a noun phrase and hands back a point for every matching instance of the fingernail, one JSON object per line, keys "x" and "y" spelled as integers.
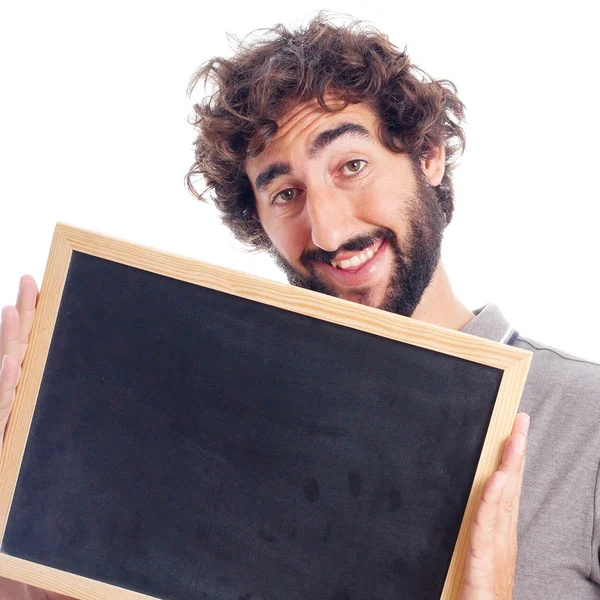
{"x": 527, "y": 421}
{"x": 520, "y": 445}
{"x": 3, "y": 361}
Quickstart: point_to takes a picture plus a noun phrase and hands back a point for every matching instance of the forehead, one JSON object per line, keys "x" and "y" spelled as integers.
{"x": 300, "y": 125}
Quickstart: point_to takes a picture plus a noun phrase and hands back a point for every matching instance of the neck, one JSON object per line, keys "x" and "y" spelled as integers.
{"x": 439, "y": 305}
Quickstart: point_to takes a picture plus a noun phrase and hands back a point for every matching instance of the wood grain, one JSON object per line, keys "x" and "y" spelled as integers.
{"x": 69, "y": 584}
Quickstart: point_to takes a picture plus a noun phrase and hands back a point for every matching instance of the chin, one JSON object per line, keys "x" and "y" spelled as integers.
{"x": 366, "y": 297}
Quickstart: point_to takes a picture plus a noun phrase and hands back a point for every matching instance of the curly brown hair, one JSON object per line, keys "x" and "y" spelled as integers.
{"x": 356, "y": 62}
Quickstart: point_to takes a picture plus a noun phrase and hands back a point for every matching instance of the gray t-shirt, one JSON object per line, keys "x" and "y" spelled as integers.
{"x": 559, "y": 515}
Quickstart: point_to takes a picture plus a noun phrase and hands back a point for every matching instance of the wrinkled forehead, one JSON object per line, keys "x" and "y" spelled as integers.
{"x": 301, "y": 123}
{"x": 300, "y": 115}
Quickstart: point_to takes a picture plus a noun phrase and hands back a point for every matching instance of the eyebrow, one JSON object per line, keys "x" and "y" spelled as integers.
{"x": 273, "y": 171}
{"x": 324, "y": 139}
{"x": 329, "y": 135}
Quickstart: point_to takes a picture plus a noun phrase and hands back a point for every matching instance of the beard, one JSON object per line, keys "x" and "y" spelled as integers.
{"x": 414, "y": 262}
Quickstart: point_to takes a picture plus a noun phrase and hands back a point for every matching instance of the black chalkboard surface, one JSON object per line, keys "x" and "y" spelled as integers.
{"x": 191, "y": 443}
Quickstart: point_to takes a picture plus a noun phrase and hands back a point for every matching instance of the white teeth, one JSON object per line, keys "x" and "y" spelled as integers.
{"x": 354, "y": 261}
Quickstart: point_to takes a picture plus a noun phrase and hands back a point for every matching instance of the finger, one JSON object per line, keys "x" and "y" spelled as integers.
{"x": 26, "y": 301}
{"x": 521, "y": 425}
{"x": 512, "y": 465}
{"x": 484, "y": 523}
{"x": 511, "y": 457}
{"x": 520, "y": 485}
{"x": 479, "y": 563}
{"x": 9, "y": 333}
{"x": 8, "y": 382}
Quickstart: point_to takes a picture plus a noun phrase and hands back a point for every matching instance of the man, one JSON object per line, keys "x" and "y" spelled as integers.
{"x": 329, "y": 149}
{"x": 326, "y": 148}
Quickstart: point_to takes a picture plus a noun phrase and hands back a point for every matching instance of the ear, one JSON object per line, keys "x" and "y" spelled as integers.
{"x": 435, "y": 167}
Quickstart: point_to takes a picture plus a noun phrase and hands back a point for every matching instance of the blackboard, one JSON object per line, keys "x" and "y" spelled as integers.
{"x": 187, "y": 442}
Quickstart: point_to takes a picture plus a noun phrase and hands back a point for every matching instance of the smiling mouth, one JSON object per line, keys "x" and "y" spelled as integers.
{"x": 356, "y": 261}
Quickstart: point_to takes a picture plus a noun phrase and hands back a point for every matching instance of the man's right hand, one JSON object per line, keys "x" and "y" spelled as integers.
{"x": 15, "y": 327}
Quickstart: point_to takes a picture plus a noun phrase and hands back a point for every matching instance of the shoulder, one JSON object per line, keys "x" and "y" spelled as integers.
{"x": 547, "y": 355}
{"x": 536, "y": 347}
{"x": 560, "y": 377}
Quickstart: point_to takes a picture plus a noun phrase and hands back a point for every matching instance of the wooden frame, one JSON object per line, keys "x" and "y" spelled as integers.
{"x": 513, "y": 361}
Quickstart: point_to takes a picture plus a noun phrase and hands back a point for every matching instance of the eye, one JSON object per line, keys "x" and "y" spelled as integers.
{"x": 354, "y": 166}
{"x": 285, "y": 196}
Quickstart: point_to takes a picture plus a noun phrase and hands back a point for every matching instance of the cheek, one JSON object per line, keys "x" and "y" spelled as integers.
{"x": 389, "y": 195}
{"x": 289, "y": 236}
{"x": 383, "y": 207}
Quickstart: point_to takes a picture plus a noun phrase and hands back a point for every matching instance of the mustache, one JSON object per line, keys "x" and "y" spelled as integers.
{"x": 356, "y": 244}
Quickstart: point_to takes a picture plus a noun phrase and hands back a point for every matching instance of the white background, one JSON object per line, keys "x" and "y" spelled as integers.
{"x": 93, "y": 133}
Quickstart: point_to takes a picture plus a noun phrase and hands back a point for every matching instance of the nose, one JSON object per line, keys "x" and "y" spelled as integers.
{"x": 332, "y": 220}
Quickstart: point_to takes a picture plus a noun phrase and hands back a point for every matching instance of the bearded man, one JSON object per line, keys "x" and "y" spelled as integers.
{"x": 330, "y": 150}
